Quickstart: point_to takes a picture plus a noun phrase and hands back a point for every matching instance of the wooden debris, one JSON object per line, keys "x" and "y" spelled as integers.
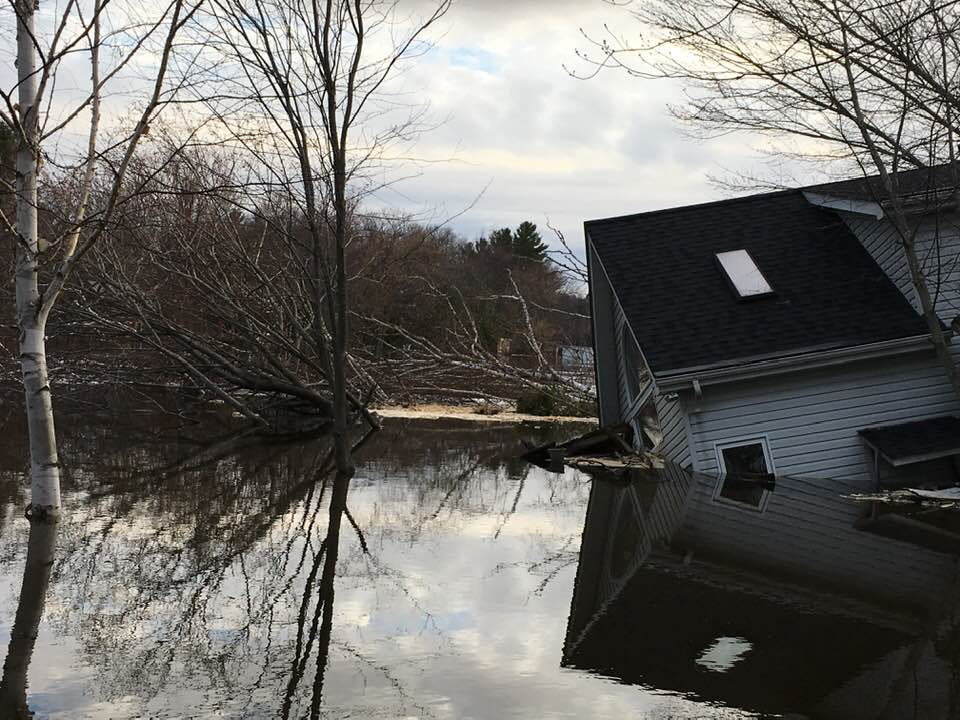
{"x": 602, "y": 441}
{"x": 634, "y": 461}
{"x": 944, "y": 498}
{"x": 605, "y": 451}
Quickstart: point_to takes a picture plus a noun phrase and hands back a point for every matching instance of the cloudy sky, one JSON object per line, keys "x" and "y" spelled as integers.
{"x": 514, "y": 136}
{"x": 538, "y": 143}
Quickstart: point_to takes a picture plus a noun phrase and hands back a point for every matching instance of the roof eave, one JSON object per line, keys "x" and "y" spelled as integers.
{"x": 845, "y": 204}
{"x": 939, "y": 200}
{"x": 805, "y": 359}
{"x": 914, "y": 459}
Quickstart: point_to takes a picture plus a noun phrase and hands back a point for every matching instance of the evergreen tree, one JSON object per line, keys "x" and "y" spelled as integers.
{"x": 527, "y": 243}
{"x": 502, "y": 240}
{"x": 524, "y": 243}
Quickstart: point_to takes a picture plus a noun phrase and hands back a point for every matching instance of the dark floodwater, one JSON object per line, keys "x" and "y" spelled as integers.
{"x": 489, "y": 588}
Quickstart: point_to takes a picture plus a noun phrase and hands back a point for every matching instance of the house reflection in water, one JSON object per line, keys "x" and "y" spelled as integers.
{"x": 810, "y": 606}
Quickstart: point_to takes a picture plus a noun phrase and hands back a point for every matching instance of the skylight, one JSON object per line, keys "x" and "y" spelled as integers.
{"x": 744, "y": 274}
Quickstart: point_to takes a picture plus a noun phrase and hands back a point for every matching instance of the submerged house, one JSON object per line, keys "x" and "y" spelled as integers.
{"x": 778, "y": 334}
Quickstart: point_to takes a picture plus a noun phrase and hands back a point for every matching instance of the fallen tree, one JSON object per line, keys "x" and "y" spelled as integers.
{"x": 204, "y": 280}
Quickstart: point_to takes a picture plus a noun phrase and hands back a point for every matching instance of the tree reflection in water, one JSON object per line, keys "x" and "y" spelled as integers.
{"x": 41, "y": 548}
{"x": 199, "y": 577}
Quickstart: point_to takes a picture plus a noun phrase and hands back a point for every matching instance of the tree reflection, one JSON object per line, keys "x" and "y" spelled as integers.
{"x": 41, "y": 548}
{"x": 323, "y": 609}
{"x": 214, "y": 564}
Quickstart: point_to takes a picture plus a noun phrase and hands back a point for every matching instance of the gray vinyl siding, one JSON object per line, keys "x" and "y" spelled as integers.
{"x": 610, "y": 332}
{"x": 941, "y": 249}
{"x": 626, "y": 343}
{"x": 622, "y": 389}
{"x": 879, "y": 239}
{"x": 675, "y": 445}
{"x": 613, "y": 340}
{"x": 810, "y": 419}
{"x": 938, "y": 250}
{"x": 603, "y": 324}
{"x": 807, "y": 533}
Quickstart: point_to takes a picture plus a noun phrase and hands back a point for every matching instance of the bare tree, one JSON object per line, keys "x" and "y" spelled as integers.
{"x": 210, "y": 276}
{"x": 572, "y": 266}
{"x": 214, "y": 283}
{"x": 298, "y": 88}
{"x": 440, "y": 365}
{"x": 41, "y": 118}
{"x": 869, "y": 84}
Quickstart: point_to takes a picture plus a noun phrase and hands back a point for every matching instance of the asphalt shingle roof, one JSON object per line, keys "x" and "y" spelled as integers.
{"x": 829, "y": 293}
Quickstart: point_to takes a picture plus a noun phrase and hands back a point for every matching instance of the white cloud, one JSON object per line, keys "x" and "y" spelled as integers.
{"x": 543, "y": 143}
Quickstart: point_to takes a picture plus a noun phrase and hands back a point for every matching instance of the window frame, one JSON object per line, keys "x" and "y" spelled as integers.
{"x": 732, "y": 283}
{"x": 764, "y": 442}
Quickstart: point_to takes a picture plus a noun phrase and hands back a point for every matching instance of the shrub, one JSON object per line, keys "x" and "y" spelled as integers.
{"x": 554, "y": 401}
{"x": 487, "y": 408}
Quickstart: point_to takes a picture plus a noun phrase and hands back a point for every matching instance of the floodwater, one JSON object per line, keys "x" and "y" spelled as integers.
{"x": 184, "y": 582}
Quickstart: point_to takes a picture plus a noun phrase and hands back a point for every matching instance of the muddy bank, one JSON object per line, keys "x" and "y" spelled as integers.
{"x": 473, "y": 413}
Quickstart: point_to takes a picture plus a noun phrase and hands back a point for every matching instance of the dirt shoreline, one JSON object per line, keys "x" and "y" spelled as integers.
{"x": 467, "y": 412}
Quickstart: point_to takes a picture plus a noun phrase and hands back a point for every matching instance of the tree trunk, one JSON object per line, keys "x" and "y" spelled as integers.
{"x": 23, "y": 637}
{"x": 44, "y": 464}
{"x": 344, "y": 457}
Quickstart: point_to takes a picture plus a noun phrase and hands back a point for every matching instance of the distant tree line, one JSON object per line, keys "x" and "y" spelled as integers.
{"x": 202, "y": 281}
{"x": 444, "y": 316}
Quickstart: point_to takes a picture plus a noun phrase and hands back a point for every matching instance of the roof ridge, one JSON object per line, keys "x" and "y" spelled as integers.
{"x": 855, "y": 184}
{"x": 709, "y": 203}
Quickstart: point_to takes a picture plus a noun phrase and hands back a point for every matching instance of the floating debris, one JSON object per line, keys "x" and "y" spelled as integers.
{"x": 944, "y": 498}
{"x": 604, "y": 451}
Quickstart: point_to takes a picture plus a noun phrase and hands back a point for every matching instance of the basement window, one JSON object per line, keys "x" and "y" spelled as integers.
{"x": 746, "y": 472}
{"x": 744, "y": 275}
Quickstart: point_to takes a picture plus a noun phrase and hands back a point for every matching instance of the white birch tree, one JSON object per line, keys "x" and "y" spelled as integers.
{"x": 43, "y": 117}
